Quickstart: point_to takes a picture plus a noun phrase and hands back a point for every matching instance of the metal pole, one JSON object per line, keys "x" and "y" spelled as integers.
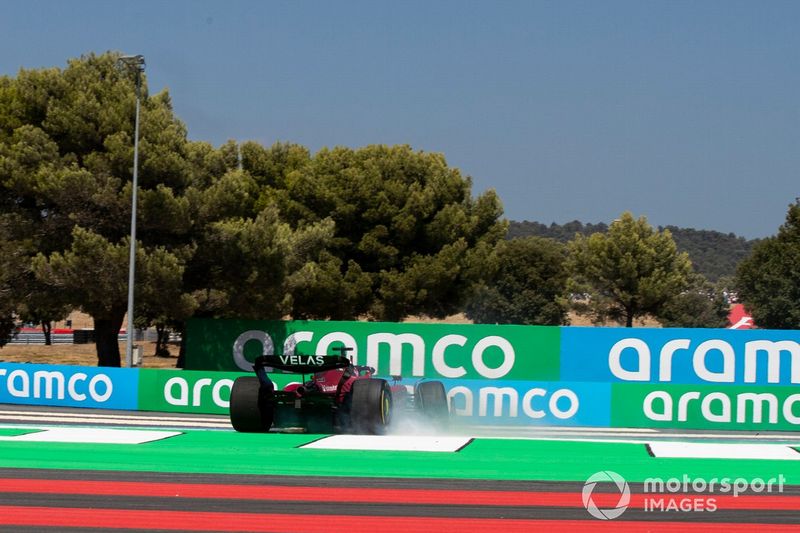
{"x": 132, "y": 261}
{"x": 136, "y": 62}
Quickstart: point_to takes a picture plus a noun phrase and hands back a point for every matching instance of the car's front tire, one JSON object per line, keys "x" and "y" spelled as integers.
{"x": 431, "y": 400}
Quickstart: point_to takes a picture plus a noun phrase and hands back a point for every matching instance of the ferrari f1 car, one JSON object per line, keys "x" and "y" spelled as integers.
{"x": 340, "y": 397}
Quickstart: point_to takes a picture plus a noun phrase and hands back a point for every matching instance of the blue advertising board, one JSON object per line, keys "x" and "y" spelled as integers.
{"x": 73, "y": 386}
{"x": 529, "y": 403}
{"x": 683, "y": 356}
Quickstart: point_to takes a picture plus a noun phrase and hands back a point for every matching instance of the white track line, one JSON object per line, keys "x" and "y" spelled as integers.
{"x": 103, "y": 416}
{"x": 120, "y": 421}
{"x": 539, "y": 433}
{"x": 390, "y": 443}
{"x": 92, "y": 435}
{"x": 715, "y": 450}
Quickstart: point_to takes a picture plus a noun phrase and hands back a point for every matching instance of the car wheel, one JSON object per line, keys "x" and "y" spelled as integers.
{"x": 371, "y": 408}
{"x": 251, "y": 410}
{"x": 432, "y": 402}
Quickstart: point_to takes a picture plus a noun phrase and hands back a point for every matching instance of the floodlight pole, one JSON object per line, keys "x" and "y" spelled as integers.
{"x": 135, "y": 63}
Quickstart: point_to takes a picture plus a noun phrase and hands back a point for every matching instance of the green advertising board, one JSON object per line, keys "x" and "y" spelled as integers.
{"x": 725, "y": 407}
{"x": 455, "y": 351}
{"x": 182, "y": 391}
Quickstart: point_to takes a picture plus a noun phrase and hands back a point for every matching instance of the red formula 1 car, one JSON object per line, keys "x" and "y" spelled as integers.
{"x": 340, "y": 397}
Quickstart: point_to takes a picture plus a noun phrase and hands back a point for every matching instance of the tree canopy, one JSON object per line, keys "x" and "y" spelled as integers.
{"x": 251, "y": 231}
{"x": 404, "y": 228}
{"x": 629, "y": 272}
{"x": 65, "y": 169}
{"x": 768, "y": 281}
{"x": 523, "y": 281}
{"x": 702, "y": 305}
{"x": 236, "y": 231}
{"x": 715, "y": 255}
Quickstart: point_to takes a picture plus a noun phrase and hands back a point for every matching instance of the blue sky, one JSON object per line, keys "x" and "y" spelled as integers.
{"x": 686, "y": 112}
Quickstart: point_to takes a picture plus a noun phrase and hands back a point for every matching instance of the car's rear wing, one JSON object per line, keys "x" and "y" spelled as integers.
{"x": 300, "y": 364}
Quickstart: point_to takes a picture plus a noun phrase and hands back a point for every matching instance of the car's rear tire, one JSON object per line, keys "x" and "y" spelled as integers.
{"x": 371, "y": 407}
{"x": 431, "y": 400}
{"x": 251, "y": 410}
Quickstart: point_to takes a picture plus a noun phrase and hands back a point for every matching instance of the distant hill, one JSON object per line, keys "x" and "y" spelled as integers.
{"x": 560, "y": 232}
{"x": 714, "y": 254}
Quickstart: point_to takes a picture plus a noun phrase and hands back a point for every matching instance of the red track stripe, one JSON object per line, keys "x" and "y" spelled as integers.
{"x": 375, "y": 495}
{"x": 286, "y": 493}
{"x": 307, "y": 523}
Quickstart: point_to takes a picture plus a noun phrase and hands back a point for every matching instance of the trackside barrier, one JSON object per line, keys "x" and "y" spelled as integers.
{"x": 39, "y": 338}
{"x": 69, "y": 386}
{"x": 512, "y": 375}
{"x": 474, "y": 401}
{"x": 182, "y": 391}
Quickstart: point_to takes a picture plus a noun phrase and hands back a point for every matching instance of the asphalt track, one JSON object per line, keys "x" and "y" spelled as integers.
{"x": 201, "y": 476}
